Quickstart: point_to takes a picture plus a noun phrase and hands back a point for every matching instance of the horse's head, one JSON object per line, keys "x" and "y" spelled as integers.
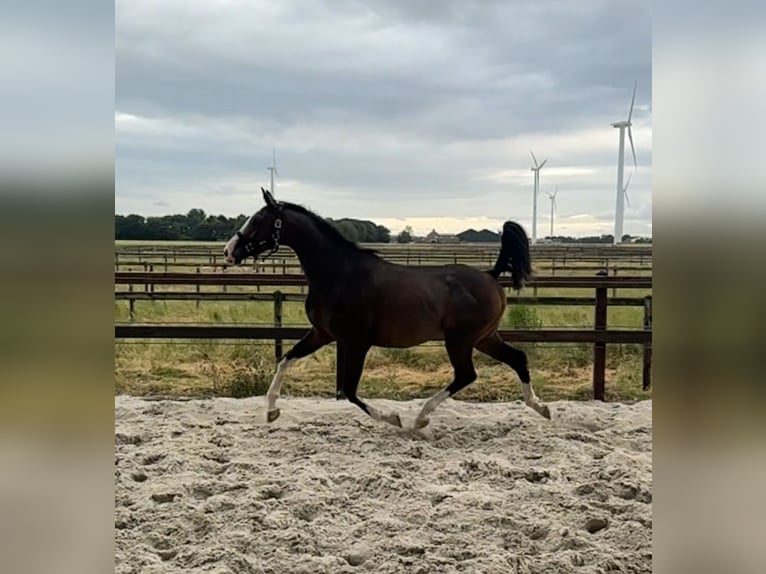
{"x": 260, "y": 233}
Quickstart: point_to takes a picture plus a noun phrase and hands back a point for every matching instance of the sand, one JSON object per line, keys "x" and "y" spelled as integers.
{"x": 208, "y": 486}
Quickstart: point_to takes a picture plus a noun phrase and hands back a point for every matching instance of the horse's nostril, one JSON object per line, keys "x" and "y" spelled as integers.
{"x": 225, "y": 252}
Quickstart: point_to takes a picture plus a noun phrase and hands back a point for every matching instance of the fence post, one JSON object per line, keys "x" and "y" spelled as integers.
{"x": 198, "y": 290}
{"x": 647, "y": 374}
{"x": 614, "y": 289}
{"x": 131, "y": 303}
{"x": 278, "y": 323}
{"x": 599, "y": 349}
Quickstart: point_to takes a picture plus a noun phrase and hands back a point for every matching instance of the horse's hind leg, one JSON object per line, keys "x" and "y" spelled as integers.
{"x": 311, "y": 342}
{"x": 495, "y": 347}
{"x": 351, "y": 360}
{"x": 459, "y": 352}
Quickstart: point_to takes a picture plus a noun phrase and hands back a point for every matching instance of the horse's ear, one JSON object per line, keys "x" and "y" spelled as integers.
{"x": 268, "y": 198}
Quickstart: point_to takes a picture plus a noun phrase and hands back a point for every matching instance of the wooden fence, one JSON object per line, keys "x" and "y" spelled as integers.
{"x": 576, "y": 257}
{"x": 599, "y": 336}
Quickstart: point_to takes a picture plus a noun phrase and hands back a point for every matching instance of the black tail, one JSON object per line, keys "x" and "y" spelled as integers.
{"x": 514, "y": 255}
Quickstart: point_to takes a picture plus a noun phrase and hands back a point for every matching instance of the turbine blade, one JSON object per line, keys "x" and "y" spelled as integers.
{"x": 534, "y": 158}
{"x": 542, "y": 164}
{"x": 632, "y": 148}
{"x": 632, "y": 101}
{"x": 625, "y": 190}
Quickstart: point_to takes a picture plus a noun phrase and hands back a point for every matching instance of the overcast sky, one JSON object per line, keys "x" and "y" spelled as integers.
{"x": 401, "y": 112}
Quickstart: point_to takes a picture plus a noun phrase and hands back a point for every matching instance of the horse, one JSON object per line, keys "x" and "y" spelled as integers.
{"x": 359, "y": 300}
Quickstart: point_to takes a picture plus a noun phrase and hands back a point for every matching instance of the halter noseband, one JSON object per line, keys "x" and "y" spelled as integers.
{"x": 250, "y": 247}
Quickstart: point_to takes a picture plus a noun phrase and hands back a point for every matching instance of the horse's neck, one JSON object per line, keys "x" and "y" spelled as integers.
{"x": 322, "y": 259}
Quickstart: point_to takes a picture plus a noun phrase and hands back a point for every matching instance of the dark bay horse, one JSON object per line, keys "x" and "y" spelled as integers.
{"x": 360, "y": 300}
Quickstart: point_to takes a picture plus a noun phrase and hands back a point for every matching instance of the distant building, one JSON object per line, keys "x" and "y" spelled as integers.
{"x": 434, "y": 237}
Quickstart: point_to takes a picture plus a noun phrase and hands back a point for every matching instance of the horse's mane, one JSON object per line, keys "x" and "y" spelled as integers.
{"x": 326, "y": 227}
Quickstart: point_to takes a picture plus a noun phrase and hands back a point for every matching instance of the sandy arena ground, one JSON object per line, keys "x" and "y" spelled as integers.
{"x": 208, "y": 486}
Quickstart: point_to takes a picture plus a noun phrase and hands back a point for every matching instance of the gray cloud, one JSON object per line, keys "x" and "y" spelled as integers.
{"x": 393, "y": 103}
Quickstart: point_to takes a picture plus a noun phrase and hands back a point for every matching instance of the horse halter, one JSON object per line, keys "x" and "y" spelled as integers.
{"x": 250, "y": 247}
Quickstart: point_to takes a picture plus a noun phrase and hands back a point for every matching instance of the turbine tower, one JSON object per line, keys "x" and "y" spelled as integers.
{"x": 623, "y": 190}
{"x": 273, "y": 169}
{"x": 536, "y": 169}
{"x": 552, "y": 197}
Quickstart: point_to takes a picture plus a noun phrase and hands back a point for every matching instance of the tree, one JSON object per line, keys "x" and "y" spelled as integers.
{"x": 405, "y": 235}
{"x": 348, "y": 230}
{"x": 129, "y": 227}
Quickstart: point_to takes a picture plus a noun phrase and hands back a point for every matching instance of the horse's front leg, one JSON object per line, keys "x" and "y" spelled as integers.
{"x": 351, "y": 357}
{"x": 311, "y": 342}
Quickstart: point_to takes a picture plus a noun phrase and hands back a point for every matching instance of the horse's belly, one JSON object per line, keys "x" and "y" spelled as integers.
{"x": 407, "y": 318}
{"x": 405, "y": 334}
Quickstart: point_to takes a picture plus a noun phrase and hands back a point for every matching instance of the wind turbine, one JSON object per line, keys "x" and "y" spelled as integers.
{"x": 536, "y": 169}
{"x": 552, "y": 197}
{"x": 273, "y": 168}
{"x": 622, "y": 191}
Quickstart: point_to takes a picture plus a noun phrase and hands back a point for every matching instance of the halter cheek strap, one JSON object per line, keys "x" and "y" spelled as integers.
{"x": 275, "y": 236}
{"x": 249, "y": 246}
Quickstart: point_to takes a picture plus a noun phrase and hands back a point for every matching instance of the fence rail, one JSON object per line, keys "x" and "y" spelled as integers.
{"x": 561, "y": 258}
{"x": 287, "y": 264}
{"x": 229, "y": 296}
{"x": 263, "y": 332}
{"x": 297, "y": 280}
{"x": 537, "y": 250}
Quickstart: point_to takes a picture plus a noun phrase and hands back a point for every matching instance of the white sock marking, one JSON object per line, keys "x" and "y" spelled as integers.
{"x": 389, "y": 417}
{"x": 432, "y": 404}
{"x": 276, "y": 382}
{"x": 530, "y": 398}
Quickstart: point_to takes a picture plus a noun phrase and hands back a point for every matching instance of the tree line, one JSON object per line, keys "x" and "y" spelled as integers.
{"x": 196, "y": 225}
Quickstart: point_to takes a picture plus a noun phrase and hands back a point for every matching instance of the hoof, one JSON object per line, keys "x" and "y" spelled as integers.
{"x": 272, "y": 415}
{"x": 421, "y": 423}
{"x": 393, "y": 419}
{"x": 545, "y": 412}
